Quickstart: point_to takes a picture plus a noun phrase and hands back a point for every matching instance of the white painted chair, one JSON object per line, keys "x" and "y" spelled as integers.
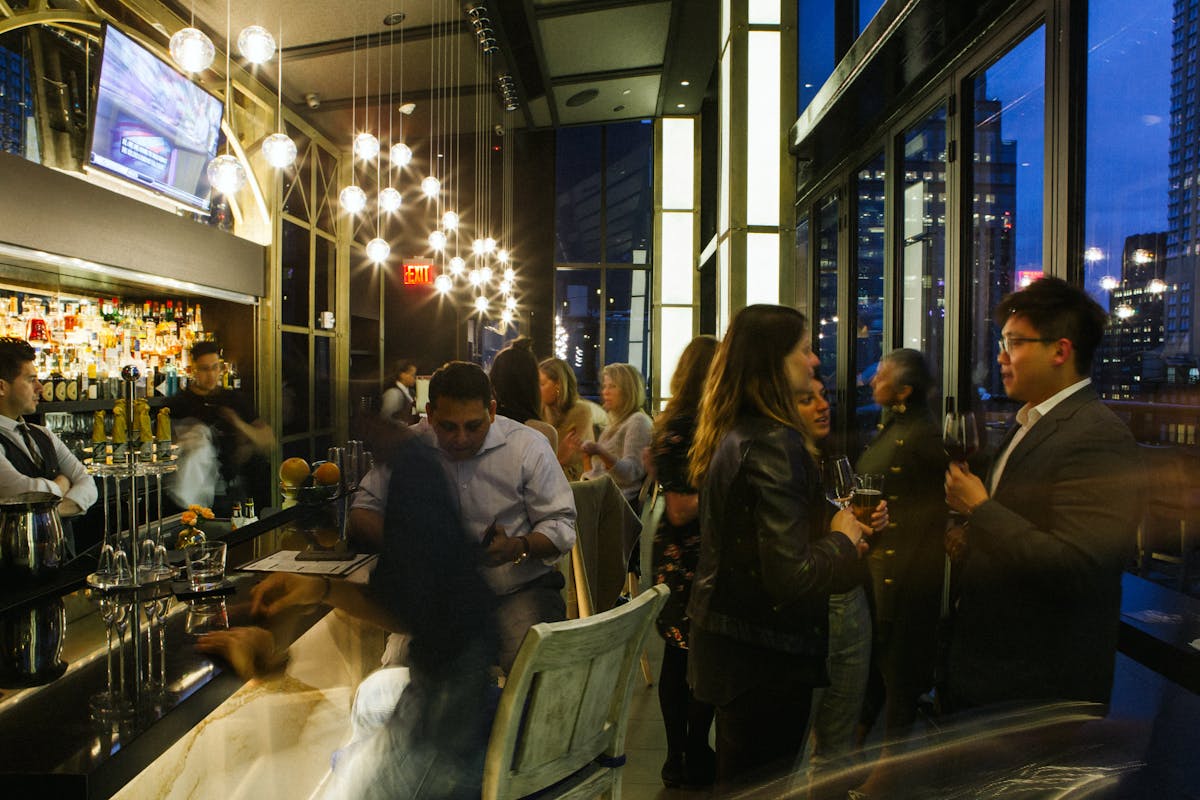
{"x": 560, "y": 727}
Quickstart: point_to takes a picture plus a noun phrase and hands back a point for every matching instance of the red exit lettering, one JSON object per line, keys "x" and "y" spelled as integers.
{"x": 418, "y": 274}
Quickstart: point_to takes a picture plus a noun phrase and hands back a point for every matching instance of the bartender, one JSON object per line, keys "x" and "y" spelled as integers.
{"x": 238, "y": 434}
{"x": 34, "y": 459}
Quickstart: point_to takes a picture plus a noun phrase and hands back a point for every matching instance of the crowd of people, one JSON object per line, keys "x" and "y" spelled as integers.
{"x": 785, "y": 608}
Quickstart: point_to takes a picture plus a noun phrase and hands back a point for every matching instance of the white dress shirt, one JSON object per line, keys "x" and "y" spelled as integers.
{"x": 1027, "y": 417}
{"x": 12, "y": 482}
{"x": 514, "y": 479}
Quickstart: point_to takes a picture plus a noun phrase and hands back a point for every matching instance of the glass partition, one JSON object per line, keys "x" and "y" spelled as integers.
{"x": 869, "y": 186}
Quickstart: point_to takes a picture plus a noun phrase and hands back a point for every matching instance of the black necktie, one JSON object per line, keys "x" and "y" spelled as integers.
{"x": 35, "y": 452}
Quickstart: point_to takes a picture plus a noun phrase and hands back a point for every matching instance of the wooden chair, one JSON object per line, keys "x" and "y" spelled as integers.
{"x": 560, "y": 727}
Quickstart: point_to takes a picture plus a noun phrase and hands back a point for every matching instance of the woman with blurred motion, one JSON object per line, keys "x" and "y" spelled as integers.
{"x": 759, "y": 618}
{"x": 618, "y": 451}
{"x": 907, "y": 561}
{"x": 690, "y": 761}
{"x": 515, "y": 378}
{"x": 398, "y": 403}
{"x": 563, "y": 408}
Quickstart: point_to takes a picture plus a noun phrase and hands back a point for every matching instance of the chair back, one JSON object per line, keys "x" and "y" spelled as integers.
{"x": 606, "y": 532}
{"x": 565, "y": 706}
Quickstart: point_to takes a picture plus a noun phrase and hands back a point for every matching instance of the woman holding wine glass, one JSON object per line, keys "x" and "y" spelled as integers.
{"x": 906, "y": 561}
{"x": 767, "y": 557}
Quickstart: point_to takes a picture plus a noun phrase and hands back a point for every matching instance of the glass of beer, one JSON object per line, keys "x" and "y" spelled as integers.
{"x": 868, "y": 491}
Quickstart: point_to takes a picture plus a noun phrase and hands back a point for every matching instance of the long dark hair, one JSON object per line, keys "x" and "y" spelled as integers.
{"x": 748, "y": 377}
{"x": 515, "y": 381}
{"x": 687, "y": 383}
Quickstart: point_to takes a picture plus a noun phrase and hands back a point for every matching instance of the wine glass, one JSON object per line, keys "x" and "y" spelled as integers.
{"x": 838, "y": 479}
{"x": 960, "y": 435}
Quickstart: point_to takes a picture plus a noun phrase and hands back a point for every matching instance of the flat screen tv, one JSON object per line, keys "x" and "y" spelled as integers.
{"x": 152, "y": 125}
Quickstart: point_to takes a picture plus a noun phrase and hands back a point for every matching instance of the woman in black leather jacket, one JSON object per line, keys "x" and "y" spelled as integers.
{"x": 767, "y": 561}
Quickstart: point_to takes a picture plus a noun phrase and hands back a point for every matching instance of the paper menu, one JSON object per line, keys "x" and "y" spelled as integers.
{"x": 285, "y": 561}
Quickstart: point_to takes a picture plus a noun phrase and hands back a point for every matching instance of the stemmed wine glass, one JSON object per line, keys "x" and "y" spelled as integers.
{"x": 838, "y": 480}
{"x": 960, "y": 435}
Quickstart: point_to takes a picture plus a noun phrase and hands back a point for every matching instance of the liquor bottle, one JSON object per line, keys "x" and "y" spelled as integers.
{"x": 235, "y": 519}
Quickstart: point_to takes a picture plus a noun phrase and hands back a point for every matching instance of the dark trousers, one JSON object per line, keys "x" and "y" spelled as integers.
{"x": 760, "y": 733}
{"x": 686, "y": 719}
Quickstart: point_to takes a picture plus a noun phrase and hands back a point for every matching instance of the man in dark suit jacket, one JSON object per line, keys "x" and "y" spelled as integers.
{"x": 1049, "y": 530}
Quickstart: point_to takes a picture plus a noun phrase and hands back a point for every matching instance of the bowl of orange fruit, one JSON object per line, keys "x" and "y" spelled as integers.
{"x": 302, "y": 483}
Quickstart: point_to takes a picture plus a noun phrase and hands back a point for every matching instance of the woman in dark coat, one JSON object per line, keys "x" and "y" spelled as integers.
{"x": 906, "y": 561}
{"x": 759, "y": 619}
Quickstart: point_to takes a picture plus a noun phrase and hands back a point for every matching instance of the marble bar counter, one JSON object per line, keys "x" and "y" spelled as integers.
{"x": 197, "y": 732}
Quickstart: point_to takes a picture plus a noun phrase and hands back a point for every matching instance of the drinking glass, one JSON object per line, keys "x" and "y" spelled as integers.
{"x": 960, "y": 435}
{"x": 838, "y": 480}
{"x": 205, "y": 565}
{"x": 868, "y": 492}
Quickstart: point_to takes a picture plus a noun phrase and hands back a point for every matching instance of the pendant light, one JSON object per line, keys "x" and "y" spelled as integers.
{"x": 278, "y": 148}
{"x": 191, "y": 49}
{"x": 256, "y": 44}
{"x": 225, "y": 172}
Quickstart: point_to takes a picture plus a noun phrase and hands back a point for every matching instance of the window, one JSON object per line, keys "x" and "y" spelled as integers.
{"x": 815, "y": 42}
{"x": 922, "y": 268}
{"x": 825, "y": 338}
{"x": 868, "y": 257}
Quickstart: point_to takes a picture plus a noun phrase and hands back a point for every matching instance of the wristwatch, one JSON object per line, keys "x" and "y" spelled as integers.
{"x": 524, "y": 550}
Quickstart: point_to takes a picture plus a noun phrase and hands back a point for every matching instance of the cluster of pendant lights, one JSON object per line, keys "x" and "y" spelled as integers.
{"x": 193, "y": 51}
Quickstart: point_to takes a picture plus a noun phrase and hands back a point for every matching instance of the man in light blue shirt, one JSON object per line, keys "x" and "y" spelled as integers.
{"x": 512, "y": 495}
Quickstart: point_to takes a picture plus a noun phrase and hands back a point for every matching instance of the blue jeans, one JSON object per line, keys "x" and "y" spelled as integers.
{"x": 836, "y": 708}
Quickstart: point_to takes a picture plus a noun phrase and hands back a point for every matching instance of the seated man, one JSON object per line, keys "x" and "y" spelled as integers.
{"x": 511, "y": 492}
{"x": 33, "y": 458}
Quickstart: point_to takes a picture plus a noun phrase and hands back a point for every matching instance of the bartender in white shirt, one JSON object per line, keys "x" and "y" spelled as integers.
{"x": 33, "y": 458}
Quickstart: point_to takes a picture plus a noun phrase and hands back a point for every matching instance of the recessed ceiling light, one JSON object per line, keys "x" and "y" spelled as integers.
{"x": 395, "y": 18}
{"x": 681, "y": 105}
{"x": 626, "y": 91}
{"x": 685, "y": 83}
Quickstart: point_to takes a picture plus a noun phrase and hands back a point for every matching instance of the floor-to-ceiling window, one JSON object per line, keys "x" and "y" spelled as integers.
{"x": 604, "y": 232}
{"x": 869, "y": 246}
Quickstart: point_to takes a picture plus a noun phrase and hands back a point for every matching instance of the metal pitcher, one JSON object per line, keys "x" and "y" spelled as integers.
{"x": 31, "y": 643}
{"x": 31, "y": 535}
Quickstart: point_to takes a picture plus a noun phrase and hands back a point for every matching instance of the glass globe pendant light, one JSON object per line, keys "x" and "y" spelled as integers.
{"x": 226, "y": 175}
{"x": 489, "y": 244}
{"x": 475, "y": 277}
{"x": 502, "y": 256}
{"x": 481, "y": 304}
{"x": 366, "y": 146}
{"x": 390, "y": 200}
{"x": 401, "y": 154}
{"x": 437, "y": 240}
{"x": 443, "y": 283}
{"x": 457, "y": 265}
{"x": 510, "y": 303}
{"x": 486, "y": 274}
{"x": 378, "y": 250}
{"x": 506, "y": 316}
{"x": 449, "y": 220}
{"x": 477, "y": 247}
{"x": 279, "y": 150}
{"x": 256, "y": 44}
{"x": 431, "y": 186}
{"x": 192, "y": 50}
{"x": 353, "y": 199}
{"x": 510, "y": 274}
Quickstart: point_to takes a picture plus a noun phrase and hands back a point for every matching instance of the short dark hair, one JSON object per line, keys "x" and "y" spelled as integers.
{"x": 14, "y": 353}
{"x": 1058, "y": 310}
{"x": 460, "y": 380}
{"x": 204, "y": 349}
{"x": 403, "y": 365}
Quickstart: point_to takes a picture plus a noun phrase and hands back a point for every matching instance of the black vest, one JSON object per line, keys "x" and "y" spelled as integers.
{"x": 24, "y": 464}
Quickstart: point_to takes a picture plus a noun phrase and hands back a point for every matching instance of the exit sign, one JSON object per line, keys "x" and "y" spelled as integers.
{"x": 418, "y": 274}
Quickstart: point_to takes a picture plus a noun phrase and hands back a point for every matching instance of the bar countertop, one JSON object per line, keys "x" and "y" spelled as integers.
{"x": 52, "y": 739}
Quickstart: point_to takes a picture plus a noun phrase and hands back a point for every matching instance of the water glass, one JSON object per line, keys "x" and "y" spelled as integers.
{"x": 205, "y": 565}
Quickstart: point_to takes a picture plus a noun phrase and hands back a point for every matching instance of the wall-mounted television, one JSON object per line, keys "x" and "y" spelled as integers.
{"x": 152, "y": 125}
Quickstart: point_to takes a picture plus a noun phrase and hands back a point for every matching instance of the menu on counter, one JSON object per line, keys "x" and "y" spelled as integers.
{"x": 286, "y": 561}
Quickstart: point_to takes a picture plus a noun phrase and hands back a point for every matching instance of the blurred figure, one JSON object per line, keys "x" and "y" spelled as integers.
{"x": 1049, "y": 530}
{"x": 515, "y": 380}
{"x": 690, "y": 762}
{"x": 618, "y": 451}
{"x": 563, "y": 408}
{"x": 243, "y": 441}
{"x": 907, "y": 560}
{"x": 767, "y": 559}
{"x": 398, "y": 404}
{"x": 836, "y": 707}
{"x": 431, "y": 741}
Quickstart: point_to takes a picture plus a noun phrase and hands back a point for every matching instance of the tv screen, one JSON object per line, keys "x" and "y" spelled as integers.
{"x": 152, "y": 125}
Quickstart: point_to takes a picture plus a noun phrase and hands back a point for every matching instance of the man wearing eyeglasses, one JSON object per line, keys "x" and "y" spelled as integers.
{"x": 1050, "y": 526}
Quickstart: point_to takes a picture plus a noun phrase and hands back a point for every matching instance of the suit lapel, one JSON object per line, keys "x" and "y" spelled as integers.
{"x": 1043, "y": 430}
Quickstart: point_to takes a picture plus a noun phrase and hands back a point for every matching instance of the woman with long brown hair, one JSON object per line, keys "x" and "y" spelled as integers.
{"x": 690, "y": 762}
{"x": 759, "y": 619}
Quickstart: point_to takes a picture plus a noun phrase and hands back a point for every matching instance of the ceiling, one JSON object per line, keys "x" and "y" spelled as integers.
{"x": 572, "y": 61}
